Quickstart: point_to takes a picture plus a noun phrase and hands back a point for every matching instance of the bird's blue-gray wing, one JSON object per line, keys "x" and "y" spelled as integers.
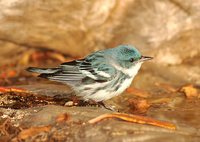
{"x": 93, "y": 68}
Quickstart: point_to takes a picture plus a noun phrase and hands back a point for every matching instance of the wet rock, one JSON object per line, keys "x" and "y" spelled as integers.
{"x": 77, "y": 128}
{"x": 46, "y": 117}
{"x": 50, "y": 89}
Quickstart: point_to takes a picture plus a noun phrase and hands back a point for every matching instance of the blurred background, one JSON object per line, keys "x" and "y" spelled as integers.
{"x": 45, "y": 33}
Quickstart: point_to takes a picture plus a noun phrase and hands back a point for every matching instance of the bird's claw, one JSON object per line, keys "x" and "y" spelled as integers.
{"x": 108, "y": 107}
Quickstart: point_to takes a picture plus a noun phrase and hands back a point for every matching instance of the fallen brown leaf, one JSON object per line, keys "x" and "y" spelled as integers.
{"x": 12, "y": 89}
{"x": 38, "y": 56}
{"x": 7, "y": 128}
{"x": 3, "y": 127}
{"x": 56, "y": 56}
{"x": 41, "y": 55}
{"x": 161, "y": 100}
{"x": 24, "y": 134}
{"x": 8, "y": 74}
{"x": 25, "y": 58}
{"x": 138, "y": 92}
{"x": 167, "y": 87}
{"x": 190, "y": 91}
{"x": 134, "y": 119}
{"x": 62, "y": 118}
{"x": 139, "y": 105}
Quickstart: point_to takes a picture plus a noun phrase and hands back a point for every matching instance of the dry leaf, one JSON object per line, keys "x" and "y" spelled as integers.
{"x": 167, "y": 87}
{"x": 24, "y": 134}
{"x": 62, "y": 118}
{"x": 190, "y": 91}
{"x": 138, "y": 92}
{"x": 41, "y": 55}
{"x": 134, "y": 119}
{"x": 7, "y": 129}
{"x": 12, "y": 89}
{"x": 139, "y": 105}
{"x": 56, "y": 56}
{"x": 161, "y": 100}
{"x": 8, "y": 74}
{"x": 25, "y": 58}
{"x": 3, "y": 127}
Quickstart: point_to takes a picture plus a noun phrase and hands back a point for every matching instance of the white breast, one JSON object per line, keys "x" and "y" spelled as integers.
{"x": 104, "y": 94}
{"x": 132, "y": 71}
{"x": 127, "y": 82}
{"x": 124, "y": 86}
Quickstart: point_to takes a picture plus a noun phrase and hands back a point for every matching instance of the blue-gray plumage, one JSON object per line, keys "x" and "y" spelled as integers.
{"x": 99, "y": 76}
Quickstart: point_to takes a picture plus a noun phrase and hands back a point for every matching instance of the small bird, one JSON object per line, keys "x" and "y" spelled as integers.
{"x": 100, "y": 75}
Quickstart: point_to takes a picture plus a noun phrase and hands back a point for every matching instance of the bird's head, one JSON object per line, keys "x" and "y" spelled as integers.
{"x": 127, "y": 56}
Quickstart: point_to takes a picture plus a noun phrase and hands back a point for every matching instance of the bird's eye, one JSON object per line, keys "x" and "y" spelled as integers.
{"x": 132, "y": 60}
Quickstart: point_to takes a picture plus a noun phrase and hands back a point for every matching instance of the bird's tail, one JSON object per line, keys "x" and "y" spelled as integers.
{"x": 44, "y": 72}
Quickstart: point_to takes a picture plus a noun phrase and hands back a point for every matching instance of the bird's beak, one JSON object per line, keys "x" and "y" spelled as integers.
{"x": 145, "y": 58}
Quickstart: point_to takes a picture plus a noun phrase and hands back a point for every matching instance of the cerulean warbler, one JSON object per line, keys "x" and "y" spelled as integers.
{"x": 100, "y": 75}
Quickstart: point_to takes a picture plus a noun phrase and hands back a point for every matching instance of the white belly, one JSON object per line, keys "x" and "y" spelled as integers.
{"x": 123, "y": 87}
{"x": 104, "y": 94}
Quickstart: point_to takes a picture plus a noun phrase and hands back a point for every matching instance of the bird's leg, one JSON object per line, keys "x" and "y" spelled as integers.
{"x": 101, "y": 103}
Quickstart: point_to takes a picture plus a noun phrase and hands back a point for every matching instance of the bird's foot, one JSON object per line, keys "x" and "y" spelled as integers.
{"x": 108, "y": 107}
{"x": 99, "y": 104}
